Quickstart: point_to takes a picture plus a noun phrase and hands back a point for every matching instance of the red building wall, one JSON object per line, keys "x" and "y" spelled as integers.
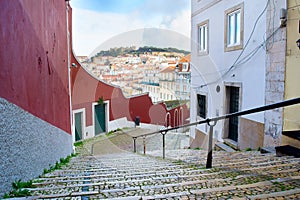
{"x": 34, "y": 58}
{"x": 86, "y": 90}
{"x": 34, "y": 68}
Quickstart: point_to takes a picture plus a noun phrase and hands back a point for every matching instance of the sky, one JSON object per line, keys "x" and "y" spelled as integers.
{"x": 96, "y": 21}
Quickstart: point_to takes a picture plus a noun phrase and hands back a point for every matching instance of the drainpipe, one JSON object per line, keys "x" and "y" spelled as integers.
{"x": 69, "y": 71}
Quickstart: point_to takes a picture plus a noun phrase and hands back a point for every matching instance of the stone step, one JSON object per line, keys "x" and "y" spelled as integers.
{"x": 115, "y": 170}
{"x": 165, "y": 196}
{"x": 141, "y": 177}
{"x": 160, "y": 196}
{"x": 288, "y": 194}
{"x": 253, "y": 162}
{"x": 233, "y": 161}
{"x": 227, "y": 156}
{"x": 127, "y": 198}
{"x": 70, "y": 194}
{"x": 248, "y": 189}
{"x": 250, "y": 163}
{"x": 117, "y": 176}
{"x": 276, "y": 172}
{"x": 239, "y": 190}
{"x": 268, "y": 150}
{"x": 135, "y": 175}
{"x": 152, "y": 185}
{"x": 129, "y": 175}
{"x": 231, "y": 143}
{"x": 223, "y": 147}
{"x": 279, "y": 172}
{"x": 201, "y": 155}
{"x": 259, "y": 165}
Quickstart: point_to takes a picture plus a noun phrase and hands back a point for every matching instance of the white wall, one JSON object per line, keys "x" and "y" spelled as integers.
{"x": 208, "y": 68}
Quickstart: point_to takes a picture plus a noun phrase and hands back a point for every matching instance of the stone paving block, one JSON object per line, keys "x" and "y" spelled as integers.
{"x": 127, "y": 181}
{"x": 275, "y": 194}
{"x": 84, "y": 193}
{"x": 127, "y": 198}
{"x": 24, "y": 198}
{"x": 280, "y": 180}
{"x": 159, "y": 186}
{"x": 54, "y": 196}
{"x": 165, "y": 196}
{"x": 227, "y": 188}
{"x": 120, "y": 190}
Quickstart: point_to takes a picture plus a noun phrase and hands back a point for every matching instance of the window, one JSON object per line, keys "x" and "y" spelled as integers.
{"x": 203, "y": 37}
{"x": 234, "y": 28}
{"x": 185, "y": 67}
{"x": 201, "y": 105}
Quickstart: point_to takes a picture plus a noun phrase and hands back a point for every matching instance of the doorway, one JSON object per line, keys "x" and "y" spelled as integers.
{"x": 100, "y": 118}
{"x": 78, "y": 126}
{"x": 233, "y": 105}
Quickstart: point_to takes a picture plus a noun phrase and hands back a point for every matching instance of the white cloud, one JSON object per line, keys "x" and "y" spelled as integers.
{"x": 90, "y": 28}
{"x": 180, "y": 23}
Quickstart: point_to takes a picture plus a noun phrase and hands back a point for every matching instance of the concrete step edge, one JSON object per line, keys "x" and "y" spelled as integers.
{"x": 274, "y": 194}
{"x": 224, "y": 147}
{"x": 252, "y": 185}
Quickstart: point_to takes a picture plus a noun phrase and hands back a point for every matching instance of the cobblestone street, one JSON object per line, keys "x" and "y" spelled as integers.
{"x": 182, "y": 175}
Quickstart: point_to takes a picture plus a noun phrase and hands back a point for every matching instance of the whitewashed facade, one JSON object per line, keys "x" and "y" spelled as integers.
{"x": 167, "y": 83}
{"x": 228, "y": 67}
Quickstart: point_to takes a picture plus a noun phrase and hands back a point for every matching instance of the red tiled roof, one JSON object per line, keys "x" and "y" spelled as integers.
{"x": 168, "y": 69}
{"x": 187, "y": 58}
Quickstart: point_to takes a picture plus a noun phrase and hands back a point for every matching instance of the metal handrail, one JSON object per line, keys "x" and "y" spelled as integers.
{"x": 214, "y": 121}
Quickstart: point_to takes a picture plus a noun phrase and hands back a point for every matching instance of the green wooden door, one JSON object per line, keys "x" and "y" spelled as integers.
{"x": 78, "y": 126}
{"x": 100, "y": 124}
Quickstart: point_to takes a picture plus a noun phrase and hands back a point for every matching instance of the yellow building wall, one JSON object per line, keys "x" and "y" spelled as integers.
{"x": 292, "y": 83}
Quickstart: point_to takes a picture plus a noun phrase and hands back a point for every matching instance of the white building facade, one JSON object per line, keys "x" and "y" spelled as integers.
{"x": 183, "y": 79}
{"x": 150, "y": 84}
{"x": 167, "y": 83}
{"x": 228, "y": 68}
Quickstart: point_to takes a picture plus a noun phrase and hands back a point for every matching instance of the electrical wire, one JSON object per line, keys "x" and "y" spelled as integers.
{"x": 253, "y": 52}
{"x": 210, "y": 73}
{"x": 241, "y": 53}
{"x": 251, "y": 34}
{"x": 246, "y": 58}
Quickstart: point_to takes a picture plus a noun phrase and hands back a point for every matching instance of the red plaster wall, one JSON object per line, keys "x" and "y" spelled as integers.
{"x": 86, "y": 90}
{"x": 34, "y": 58}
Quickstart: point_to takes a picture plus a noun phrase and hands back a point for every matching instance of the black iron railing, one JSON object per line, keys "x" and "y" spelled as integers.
{"x": 212, "y": 122}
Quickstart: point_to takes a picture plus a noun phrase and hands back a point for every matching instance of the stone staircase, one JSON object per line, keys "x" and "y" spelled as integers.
{"x": 239, "y": 175}
{"x": 113, "y": 172}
